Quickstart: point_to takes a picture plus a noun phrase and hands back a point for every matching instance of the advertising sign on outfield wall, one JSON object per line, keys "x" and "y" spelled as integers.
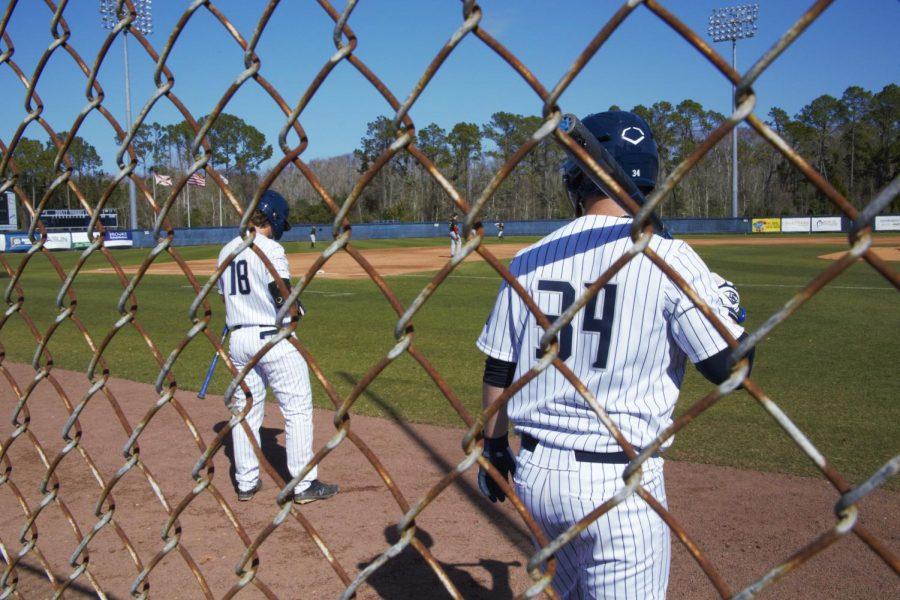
{"x": 118, "y": 239}
{"x": 17, "y": 242}
{"x": 772, "y": 225}
{"x": 80, "y": 240}
{"x": 58, "y": 241}
{"x": 826, "y": 223}
{"x": 795, "y": 225}
{"x": 887, "y": 223}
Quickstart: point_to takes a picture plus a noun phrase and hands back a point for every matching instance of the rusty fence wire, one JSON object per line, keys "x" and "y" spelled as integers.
{"x": 292, "y": 142}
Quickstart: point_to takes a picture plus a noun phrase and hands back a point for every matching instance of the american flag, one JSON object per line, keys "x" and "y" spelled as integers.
{"x": 198, "y": 179}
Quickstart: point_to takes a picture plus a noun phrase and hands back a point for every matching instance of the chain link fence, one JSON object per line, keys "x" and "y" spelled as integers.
{"x": 541, "y": 565}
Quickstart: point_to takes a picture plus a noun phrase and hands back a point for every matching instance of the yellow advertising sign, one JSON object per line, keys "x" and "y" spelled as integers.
{"x": 765, "y": 225}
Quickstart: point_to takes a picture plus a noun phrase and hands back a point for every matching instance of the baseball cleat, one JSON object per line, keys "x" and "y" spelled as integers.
{"x": 244, "y": 495}
{"x": 316, "y": 491}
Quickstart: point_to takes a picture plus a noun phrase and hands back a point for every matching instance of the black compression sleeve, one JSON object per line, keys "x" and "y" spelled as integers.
{"x": 717, "y": 368}
{"x": 279, "y": 300}
{"x": 276, "y": 293}
{"x": 498, "y": 373}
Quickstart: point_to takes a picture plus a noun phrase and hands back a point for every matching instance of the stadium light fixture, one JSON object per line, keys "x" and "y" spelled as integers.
{"x": 110, "y": 15}
{"x": 730, "y": 24}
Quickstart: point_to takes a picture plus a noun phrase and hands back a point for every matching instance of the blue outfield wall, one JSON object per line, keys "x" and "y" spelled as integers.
{"x": 365, "y": 231}
{"x": 217, "y": 236}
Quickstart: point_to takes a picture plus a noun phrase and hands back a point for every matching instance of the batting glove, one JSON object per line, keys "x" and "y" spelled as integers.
{"x": 731, "y": 299}
{"x": 497, "y": 451}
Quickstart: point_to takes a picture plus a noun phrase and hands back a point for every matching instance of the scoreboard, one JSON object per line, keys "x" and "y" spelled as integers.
{"x": 76, "y": 218}
{"x": 58, "y": 218}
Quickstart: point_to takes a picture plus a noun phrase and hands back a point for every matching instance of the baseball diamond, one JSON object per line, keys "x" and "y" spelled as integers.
{"x": 609, "y": 410}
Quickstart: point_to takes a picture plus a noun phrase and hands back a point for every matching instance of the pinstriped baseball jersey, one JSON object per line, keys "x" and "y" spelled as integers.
{"x": 628, "y": 345}
{"x": 250, "y": 312}
{"x": 245, "y": 283}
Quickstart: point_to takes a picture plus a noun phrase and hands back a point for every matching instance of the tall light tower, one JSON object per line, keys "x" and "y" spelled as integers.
{"x": 143, "y": 23}
{"x": 733, "y": 23}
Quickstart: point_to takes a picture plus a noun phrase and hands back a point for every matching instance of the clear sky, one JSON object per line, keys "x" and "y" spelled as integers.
{"x": 853, "y": 43}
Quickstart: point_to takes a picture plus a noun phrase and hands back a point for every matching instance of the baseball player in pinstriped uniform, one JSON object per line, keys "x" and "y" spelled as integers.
{"x": 252, "y": 300}
{"x": 455, "y": 239}
{"x": 629, "y": 346}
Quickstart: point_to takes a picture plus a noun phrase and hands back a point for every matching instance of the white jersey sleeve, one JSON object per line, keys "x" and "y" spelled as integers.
{"x": 690, "y": 329}
{"x": 501, "y": 337}
{"x": 279, "y": 261}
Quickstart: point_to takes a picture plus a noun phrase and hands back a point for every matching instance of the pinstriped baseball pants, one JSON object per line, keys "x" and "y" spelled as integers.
{"x": 284, "y": 370}
{"x": 625, "y": 553}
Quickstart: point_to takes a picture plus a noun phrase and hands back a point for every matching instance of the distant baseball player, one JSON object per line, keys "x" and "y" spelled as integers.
{"x": 252, "y": 299}
{"x": 500, "y": 227}
{"x": 455, "y": 240}
{"x": 629, "y": 346}
{"x": 312, "y": 237}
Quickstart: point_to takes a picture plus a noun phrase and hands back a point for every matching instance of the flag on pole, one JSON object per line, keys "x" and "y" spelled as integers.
{"x": 198, "y": 179}
{"x": 165, "y": 180}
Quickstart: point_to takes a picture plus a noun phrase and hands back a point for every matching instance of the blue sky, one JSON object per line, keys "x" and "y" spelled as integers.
{"x": 853, "y": 43}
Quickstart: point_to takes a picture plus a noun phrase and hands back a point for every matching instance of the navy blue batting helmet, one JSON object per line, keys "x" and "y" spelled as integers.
{"x": 630, "y": 141}
{"x": 275, "y": 208}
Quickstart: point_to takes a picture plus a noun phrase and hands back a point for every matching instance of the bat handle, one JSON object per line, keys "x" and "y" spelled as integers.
{"x": 212, "y": 367}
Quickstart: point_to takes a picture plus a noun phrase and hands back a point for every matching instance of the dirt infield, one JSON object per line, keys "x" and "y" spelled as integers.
{"x": 388, "y": 261}
{"x": 745, "y": 521}
{"x": 400, "y": 261}
{"x": 891, "y": 253}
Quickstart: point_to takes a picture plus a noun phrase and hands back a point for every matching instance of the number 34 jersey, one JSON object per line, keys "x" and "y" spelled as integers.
{"x": 628, "y": 345}
{"x": 245, "y": 283}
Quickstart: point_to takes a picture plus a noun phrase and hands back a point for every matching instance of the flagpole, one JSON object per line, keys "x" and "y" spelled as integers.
{"x": 189, "y": 205}
{"x": 220, "y": 207}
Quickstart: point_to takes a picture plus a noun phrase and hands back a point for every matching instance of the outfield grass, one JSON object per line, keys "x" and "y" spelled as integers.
{"x": 832, "y": 367}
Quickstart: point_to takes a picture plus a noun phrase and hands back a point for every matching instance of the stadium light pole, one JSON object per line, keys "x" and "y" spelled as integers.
{"x": 730, "y": 24}
{"x": 109, "y": 17}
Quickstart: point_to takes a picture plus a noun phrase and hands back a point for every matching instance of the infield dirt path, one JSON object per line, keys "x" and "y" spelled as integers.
{"x": 745, "y": 522}
{"x": 401, "y": 261}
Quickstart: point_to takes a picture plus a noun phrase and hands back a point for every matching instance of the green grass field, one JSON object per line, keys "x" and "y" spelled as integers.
{"x": 832, "y": 367}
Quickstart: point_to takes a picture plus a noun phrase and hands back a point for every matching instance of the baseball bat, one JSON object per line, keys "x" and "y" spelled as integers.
{"x": 212, "y": 367}
{"x": 577, "y": 130}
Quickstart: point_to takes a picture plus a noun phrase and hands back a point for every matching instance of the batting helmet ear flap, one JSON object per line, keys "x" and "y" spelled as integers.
{"x": 573, "y": 180}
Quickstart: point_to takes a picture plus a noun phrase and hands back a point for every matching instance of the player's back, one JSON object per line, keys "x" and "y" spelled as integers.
{"x": 245, "y": 282}
{"x": 621, "y": 345}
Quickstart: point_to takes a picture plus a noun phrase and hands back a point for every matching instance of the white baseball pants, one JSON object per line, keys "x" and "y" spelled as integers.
{"x": 625, "y": 553}
{"x": 455, "y": 246}
{"x": 284, "y": 370}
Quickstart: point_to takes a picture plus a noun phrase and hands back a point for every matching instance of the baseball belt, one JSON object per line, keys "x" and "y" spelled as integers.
{"x": 608, "y": 458}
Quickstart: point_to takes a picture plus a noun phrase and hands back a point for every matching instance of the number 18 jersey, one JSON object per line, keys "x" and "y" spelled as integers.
{"x": 245, "y": 283}
{"x": 628, "y": 345}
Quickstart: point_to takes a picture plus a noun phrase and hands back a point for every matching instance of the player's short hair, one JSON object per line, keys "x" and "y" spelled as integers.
{"x": 259, "y": 219}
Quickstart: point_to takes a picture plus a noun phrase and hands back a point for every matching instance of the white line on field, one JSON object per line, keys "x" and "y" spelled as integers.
{"x": 740, "y": 285}
{"x": 827, "y": 287}
{"x": 329, "y": 293}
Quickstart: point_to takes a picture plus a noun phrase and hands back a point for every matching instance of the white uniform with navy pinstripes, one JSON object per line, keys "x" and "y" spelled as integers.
{"x": 629, "y": 348}
{"x": 248, "y": 304}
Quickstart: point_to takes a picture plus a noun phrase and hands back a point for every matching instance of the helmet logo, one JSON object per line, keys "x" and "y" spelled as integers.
{"x": 633, "y": 135}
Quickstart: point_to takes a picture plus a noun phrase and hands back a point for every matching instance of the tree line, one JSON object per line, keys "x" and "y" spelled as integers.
{"x": 854, "y": 141}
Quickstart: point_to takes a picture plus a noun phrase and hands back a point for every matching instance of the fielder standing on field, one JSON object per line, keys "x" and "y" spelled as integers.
{"x": 252, "y": 300}
{"x": 629, "y": 346}
{"x": 455, "y": 239}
